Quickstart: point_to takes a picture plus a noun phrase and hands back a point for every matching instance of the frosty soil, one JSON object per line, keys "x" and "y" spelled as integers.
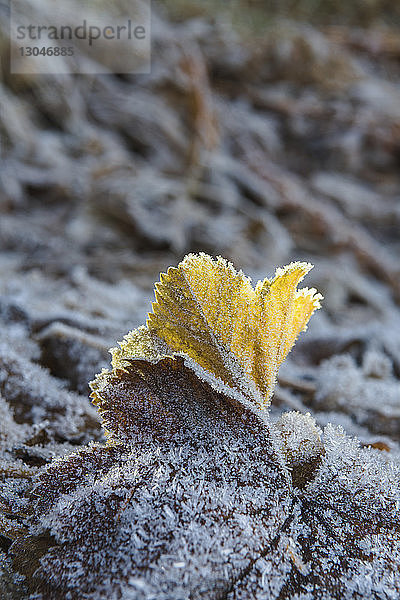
{"x": 265, "y": 153}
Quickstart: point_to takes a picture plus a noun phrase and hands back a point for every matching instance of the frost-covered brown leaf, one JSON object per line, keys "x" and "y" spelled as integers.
{"x": 199, "y": 495}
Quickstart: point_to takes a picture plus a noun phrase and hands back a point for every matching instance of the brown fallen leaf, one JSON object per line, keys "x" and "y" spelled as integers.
{"x": 197, "y": 494}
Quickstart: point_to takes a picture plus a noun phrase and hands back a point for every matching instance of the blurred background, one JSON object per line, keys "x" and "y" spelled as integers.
{"x": 266, "y": 132}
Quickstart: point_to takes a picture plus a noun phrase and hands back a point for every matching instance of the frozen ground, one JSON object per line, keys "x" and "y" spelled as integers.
{"x": 286, "y": 149}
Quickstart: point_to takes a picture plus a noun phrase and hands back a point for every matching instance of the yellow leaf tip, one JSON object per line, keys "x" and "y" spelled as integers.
{"x": 209, "y": 311}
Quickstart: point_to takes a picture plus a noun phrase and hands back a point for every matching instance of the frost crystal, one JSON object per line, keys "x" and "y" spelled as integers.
{"x": 302, "y": 445}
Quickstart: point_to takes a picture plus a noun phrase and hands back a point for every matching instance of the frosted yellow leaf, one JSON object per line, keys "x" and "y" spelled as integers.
{"x": 210, "y": 312}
